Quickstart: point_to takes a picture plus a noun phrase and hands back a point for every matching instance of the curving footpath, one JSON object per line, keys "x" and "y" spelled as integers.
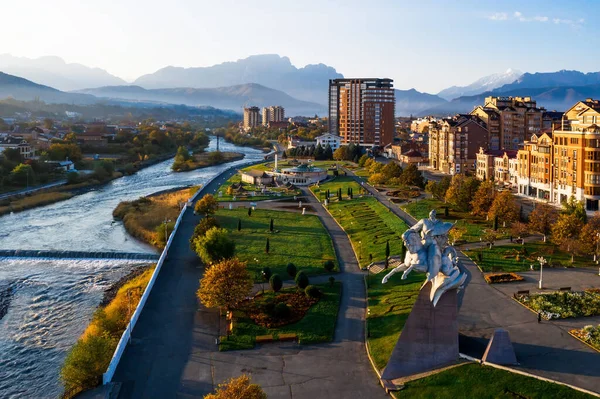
{"x": 173, "y": 352}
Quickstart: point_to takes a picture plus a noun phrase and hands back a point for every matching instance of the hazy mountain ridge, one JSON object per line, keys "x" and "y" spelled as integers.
{"x": 55, "y": 72}
{"x": 309, "y": 83}
{"x": 230, "y": 97}
{"x": 481, "y": 85}
{"x": 413, "y": 102}
{"x": 562, "y": 78}
{"x": 26, "y": 90}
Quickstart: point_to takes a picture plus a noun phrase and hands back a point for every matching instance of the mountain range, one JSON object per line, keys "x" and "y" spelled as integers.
{"x": 269, "y": 79}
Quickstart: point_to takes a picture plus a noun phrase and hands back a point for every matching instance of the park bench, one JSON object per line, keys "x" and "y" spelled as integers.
{"x": 288, "y": 337}
{"x": 264, "y": 338}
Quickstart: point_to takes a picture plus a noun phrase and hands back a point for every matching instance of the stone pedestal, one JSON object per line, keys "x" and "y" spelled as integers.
{"x": 500, "y": 349}
{"x": 429, "y": 339}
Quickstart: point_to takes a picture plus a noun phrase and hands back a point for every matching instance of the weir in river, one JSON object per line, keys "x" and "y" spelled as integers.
{"x": 47, "y": 303}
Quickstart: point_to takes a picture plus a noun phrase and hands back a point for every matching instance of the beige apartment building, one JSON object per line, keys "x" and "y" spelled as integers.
{"x": 565, "y": 163}
{"x": 251, "y": 117}
{"x": 510, "y": 120}
{"x": 274, "y": 113}
{"x": 454, "y": 143}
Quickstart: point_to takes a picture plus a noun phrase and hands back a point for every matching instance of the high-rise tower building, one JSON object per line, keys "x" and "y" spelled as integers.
{"x": 274, "y": 113}
{"x": 361, "y": 111}
{"x": 251, "y": 117}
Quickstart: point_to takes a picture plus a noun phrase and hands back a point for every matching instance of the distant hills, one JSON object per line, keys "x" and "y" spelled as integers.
{"x": 231, "y": 97}
{"x": 55, "y": 72}
{"x": 269, "y": 79}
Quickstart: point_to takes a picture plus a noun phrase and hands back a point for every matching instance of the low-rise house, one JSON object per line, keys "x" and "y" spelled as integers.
{"x": 330, "y": 139}
{"x": 411, "y": 157}
{"x": 19, "y": 143}
{"x": 294, "y": 142}
{"x": 65, "y": 166}
{"x": 256, "y": 177}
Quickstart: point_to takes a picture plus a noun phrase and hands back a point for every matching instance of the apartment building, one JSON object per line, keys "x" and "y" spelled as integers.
{"x": 361, "y": 111}
{"x": 454, "y": 143}
{"x": 251, "y": 117}
{"x": 534, "y": 172}
{"x": 274, "y": 113}
{"x": 499, "y": 165}
{"x": 510, "y": 120}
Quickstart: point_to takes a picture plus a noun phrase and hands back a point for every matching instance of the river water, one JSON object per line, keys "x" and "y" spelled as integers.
{"x": 48, "y": 303}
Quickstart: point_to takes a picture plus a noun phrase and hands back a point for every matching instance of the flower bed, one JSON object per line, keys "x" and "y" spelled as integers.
{"x": 497, "y": 278}
{"x": 561, "y": 305}
{"x": 589, "y": 334}
{"x": 262, "y": 311}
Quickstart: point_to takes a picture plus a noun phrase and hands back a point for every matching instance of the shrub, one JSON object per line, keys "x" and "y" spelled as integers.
{"x": 291, "y": 269}
{"x": 312, "y": 291}
{"x": 275, "y": 282}
{"x": 301, "y": 280}
{"x": 329, "y": 265}
{"x": 266, "y": 273}
{"x": 281, "y": 310}
{"x": 201, "y": 228}
{"x": 72, "y": 177}
{"x": 331, "y": 281}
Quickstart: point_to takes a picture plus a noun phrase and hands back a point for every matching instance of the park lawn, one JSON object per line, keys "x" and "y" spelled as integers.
{"x": 474, "y": 225}
{"x": 389, "y": 306}
{"x": 343, "y": 182}
{"x": 318, "y": 325}
{"x": 299, "y": 239}
{"x": 369, "y": 225}
{"x": 516, "y": 257}
{"x": 475, "y": 381}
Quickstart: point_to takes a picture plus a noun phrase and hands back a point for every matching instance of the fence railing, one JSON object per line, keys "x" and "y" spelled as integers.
{"x": 112, "y": 367}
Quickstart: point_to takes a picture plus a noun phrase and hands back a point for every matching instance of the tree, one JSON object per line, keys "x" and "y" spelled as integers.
{"x": 59, "y": 152}
{"x": 412, "y": 176}
{"x": 439, "y": 189}
{"x": 331, "y": 281}
{"x": 225, "y": 284}
{"x": 181, "y": 158}
{"x": 271, "y": 225}
{"x": 387, "y": 253}
{"x": 518, "y": 229}
{"x": 267, "y": 246}
{"x": 362, "y": 160}
{"x": 86, "y": 362}
{"x": 318, "y": 153}
{"x": 48, "y": 123}
{"x": 461, "y": 191}
{"x": 275, "y": 282}
{"x": 588, "y": 238}
{"x": 566, "y": 228}
{"x": 202, "y": 227}
{"x": 208, "y": 205}
{"x": 22, "y": 174}
{"x": 542, "y": 218}
{"x": 328, "y": 152}
{"x": 377, "y": 179}
{"x": 574, "y": 207}
{"x": 483, "y": 198}
{"x": 214, "y": 246}
{"x": 490, "y": 237}
{"x": 301, "y": 280}
{"x": 456, "y": 234}
{"x": 376, "y": 167}
{"x": 239, "y": 226}
{"x": 504, "y": 208}
{"x": 329, "y": 265}
{"x": 391, "y": 170}
{"x": 291, "y": 269}
{"x": 340, "y": 154}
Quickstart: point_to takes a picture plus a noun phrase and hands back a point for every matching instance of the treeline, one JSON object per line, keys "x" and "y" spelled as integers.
{"x": 391, "y": 173}
{"x": 231, "y": 134}
{"x": 318, "y": 152}
{"x": 568, "y": 227}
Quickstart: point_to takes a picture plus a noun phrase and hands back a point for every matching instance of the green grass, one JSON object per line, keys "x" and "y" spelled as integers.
{"x": 515, "y": 257}
{"x": 474, "y": 225}
{"x": 483, "y": 382}
{"x": 389, "y": 306}
{"x": 369, "y": 226}
{"x": 318, "y": 325}
{"x": 300, "y": 239}
{"x": 342, "y": 182}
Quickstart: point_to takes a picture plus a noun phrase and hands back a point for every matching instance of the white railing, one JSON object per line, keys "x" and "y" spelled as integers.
{"x": 112, "y": 367}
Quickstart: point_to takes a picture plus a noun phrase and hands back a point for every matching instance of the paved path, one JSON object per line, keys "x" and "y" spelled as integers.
{"x": 173, "y": 351}
{"x": 544, "y": 349}
{"x": 33, "y": 189}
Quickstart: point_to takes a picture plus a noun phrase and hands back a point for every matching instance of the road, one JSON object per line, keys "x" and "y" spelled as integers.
{"x": 33, "y": 189}
{"x": 173, "y": 351}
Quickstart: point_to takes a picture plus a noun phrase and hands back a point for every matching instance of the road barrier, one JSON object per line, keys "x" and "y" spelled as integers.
{"x": 126, "y": 337}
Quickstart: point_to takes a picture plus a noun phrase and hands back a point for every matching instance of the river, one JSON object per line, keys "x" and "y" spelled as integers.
{"x": 50, "y": 302}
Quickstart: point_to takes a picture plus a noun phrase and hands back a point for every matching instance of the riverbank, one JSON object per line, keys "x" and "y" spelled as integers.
{"x": 206, "y": 159}
{"x": 91, "y": 354}
{"x": 145, "y": 217}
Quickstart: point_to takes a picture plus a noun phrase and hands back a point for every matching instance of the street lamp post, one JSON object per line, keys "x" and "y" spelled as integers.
{"x": 360, "y": 250}
{"x": 542, "y": 261}
{"x": 166, "y": 229}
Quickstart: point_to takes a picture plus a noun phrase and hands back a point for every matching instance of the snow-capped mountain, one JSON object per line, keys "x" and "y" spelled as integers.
{"x": 484, "y": 84}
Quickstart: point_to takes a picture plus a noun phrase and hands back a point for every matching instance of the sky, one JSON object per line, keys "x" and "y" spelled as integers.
{"x": 427, "y": 45}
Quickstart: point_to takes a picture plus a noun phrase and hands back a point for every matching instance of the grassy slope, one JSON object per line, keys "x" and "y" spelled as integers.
{"x": 342, "y": 182}
{"x": 475, "y": 381}
{"x": 317, "y": 326}
{"x": 369, "y": 226}
{"x": 300, "y": 239}
{"x": 504, "y": 257}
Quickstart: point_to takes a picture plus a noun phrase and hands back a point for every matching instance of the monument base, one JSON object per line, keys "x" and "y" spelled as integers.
{"x": 429, "y": 339}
